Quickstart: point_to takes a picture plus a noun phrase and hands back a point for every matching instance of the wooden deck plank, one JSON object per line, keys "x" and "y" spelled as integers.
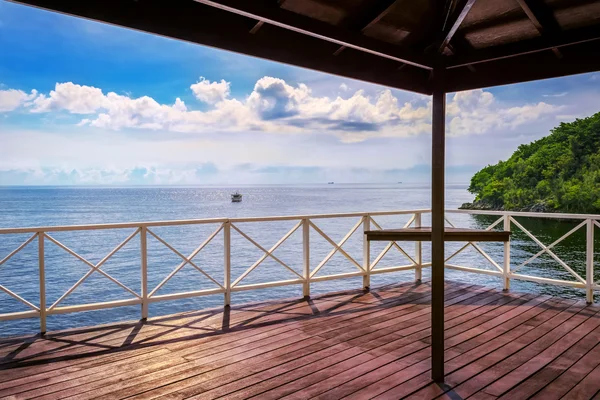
{"x": 160, "y": 382}
{"x": 587, "y": 388}
{"x": 217, "y": 387}
{"x": 415, "y": 352}
{"x": 555, "y": 368}
{"x": 196, "y": 378}
{"x": 567, "y": 380}
{"x": 406, "y": 382}
{"x": 486, "y": 343}
{"x": 531, "y": 366}
{"x": 353, "y": 345}
{"x": 486, "y": 370}
{"x": 179, "y": 375}
{"x": 212, "y": 339}
{"x": 212, "y": 319}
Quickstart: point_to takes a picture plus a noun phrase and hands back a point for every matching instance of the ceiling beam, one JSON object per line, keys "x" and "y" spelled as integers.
{"x": 541, "y": 17}
{"x": 490, "y": 54}
{"x": 516, "y": 15}
{"x": 366, "y": 16}
{"x": 369, "y": 15}
{"x": 281, "y": 18}
{"x": 457, "y": 16}
{"x": 530, "y": 67}
{"x": 256, "y": 27}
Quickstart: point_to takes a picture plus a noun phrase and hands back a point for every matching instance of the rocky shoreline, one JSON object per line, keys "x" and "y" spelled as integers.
{"x": 484, "y": 206}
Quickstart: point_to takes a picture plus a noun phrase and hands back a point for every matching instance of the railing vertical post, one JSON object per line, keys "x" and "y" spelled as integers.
{"x": 506, "y": 266}
{"x": 418, "y": 252}
{"x": 589, "y": 262}
{"x": 227, "y": 262}
{"x": 144, "y": 270}
{"x": 306, "y": 257}
{"x": 366, "y": 253}
{"x": 42, "y": 271}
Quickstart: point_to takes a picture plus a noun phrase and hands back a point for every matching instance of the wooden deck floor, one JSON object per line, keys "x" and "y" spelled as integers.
{"x": 350, "y": 345}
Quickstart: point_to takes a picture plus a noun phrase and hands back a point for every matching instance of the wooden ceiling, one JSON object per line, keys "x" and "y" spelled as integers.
{"x": 397, "y": 43}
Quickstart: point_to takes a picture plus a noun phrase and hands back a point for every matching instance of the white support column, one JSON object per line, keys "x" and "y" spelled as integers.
{"x": 42, "y": 272}
{"x": 506, "y": 266}
{"x": 227, "y": 262}
{"x": 418, "y": 252}
{"x": 366, "y": 253}
{"x": 306, "y": 257}
{"x": 144, "y": 270}
{"x": 589, "y": 262}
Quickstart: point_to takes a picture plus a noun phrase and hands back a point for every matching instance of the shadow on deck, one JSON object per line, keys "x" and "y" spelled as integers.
{"x": 352, "y": 344}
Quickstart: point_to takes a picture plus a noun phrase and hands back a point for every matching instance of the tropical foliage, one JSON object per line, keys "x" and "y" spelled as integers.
{"x": 560, "y": 172}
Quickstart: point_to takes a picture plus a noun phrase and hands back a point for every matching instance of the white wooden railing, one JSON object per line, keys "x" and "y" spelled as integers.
{"x": 309, "y": 224}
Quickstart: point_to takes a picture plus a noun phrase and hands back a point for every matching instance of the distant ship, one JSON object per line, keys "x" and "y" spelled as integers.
{"x": 399, "y": 182}
{"x": 236, "y": 197}
{"x": 330, "y": 183}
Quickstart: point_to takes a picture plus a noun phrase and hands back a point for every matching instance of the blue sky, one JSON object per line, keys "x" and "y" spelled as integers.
{"x": 88, "y": 103}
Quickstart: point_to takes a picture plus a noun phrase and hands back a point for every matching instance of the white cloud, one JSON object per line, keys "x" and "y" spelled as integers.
{"x": 179, "y": 105}
{"x": 516, "y": 116}
{"x": 12, "y": 99}
{"x": 68, "y": 96}
{"x": 344, "y": 87}
{"x": 276, "y": 106}
{"x": 477, "y": 112}
{"x": 210, "y": 92}
{"x": 563, "y": 94}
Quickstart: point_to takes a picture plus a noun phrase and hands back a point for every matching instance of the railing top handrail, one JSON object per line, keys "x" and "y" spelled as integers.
{"x": 149, "y": 224}
{"x": 527, "y": 214}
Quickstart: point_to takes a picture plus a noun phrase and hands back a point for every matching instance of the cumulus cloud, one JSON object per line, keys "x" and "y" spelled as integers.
{"x": 12, "y": 99}
{"x": 277, "y": 106}
{"x": 210, "y": 92}
{"x": 68, "y": 96}
{"x": 477, "y": 112}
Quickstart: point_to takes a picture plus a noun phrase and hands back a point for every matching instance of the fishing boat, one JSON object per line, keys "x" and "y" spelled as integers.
{"x": 330, "y": 183}
{"x": 236, "y": 197}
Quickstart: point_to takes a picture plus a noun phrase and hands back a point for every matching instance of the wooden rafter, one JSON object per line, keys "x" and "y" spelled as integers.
{"x": 370, "y": 15}
{"x": 307, "y": 26}
{"x": 529, "y": 67}
{"x": 525, "y": 47}
{"x": 256, "y": 27}
{"x": 455, "y": 20}
{"x": 366, "y": 17}
{"x": 543, "y": 20}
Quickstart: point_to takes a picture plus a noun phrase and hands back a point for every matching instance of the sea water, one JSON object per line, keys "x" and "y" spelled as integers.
{"x": 52, "y": 206}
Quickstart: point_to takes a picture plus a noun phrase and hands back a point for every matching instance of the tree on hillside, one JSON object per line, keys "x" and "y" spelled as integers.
{"x": 558, "y": 173}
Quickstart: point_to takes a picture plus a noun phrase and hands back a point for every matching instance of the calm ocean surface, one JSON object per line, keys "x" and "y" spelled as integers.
{"x": 46, "y": 206}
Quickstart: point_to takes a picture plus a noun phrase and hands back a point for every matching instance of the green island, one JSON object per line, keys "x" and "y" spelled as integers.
{"x": 558, "y": 173}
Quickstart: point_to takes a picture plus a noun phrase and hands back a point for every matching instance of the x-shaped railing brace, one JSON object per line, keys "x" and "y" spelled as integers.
{"x": 476, "y": 246}
{"x": 8, "y": 257}
{"x": 186, "y": 260}
{"x": 267, "y": 253}
{"x": 392, "y": 244}
{"x": 546, "y": 249}
{"x": 93, "y": 267}
{"x": 336, "y": 247}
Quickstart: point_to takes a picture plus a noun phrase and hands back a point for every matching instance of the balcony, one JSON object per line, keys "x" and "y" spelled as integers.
{"x": 362, "y": 343}
{"x": 357, "y": 344}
